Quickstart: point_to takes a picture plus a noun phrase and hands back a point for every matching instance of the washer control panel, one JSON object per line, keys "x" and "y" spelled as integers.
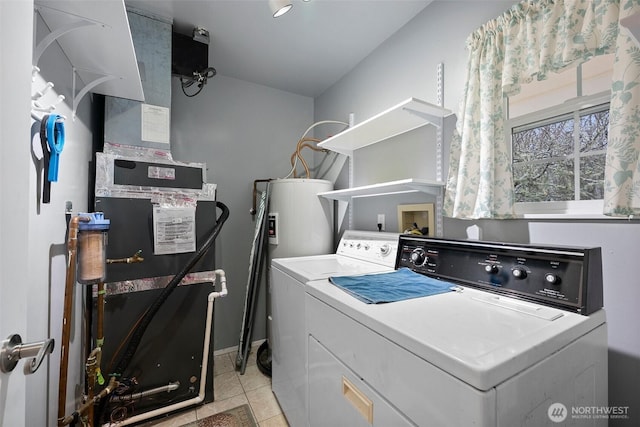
{"x": 565, "y": 277}
{"x": 377, "y": 247}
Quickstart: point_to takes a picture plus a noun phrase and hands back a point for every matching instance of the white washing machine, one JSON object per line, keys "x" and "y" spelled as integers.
{"x": 520, "y": 341}
{"x": 359, "y": 252}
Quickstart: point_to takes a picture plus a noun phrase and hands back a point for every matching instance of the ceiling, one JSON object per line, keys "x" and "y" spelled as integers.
{"x": 304, "y": 51}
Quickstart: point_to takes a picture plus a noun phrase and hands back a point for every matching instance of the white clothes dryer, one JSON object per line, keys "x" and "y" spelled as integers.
{"x": 520, "y": 341}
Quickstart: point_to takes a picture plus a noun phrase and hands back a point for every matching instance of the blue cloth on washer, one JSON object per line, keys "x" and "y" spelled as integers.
{"x": 399, "y": 285}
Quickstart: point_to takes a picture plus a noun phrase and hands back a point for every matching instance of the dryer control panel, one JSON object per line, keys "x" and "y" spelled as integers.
{"x": 565, "y": 277}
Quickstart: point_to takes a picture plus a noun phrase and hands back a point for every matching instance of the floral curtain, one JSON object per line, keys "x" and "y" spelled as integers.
{"x": 527, "y": 42}
{"x": 622, "y": 171}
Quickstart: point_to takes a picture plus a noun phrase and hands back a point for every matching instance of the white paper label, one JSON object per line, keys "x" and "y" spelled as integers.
{"x": 155, "y": 124}
{"x": 161, "y": 173}
{"x": 174, "y": 230}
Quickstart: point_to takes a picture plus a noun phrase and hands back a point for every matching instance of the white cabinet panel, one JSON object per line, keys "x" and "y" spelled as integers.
{"x": 339, "y": 398}
{"x": 419, "y": 390}
{"x": 288, "y": 357}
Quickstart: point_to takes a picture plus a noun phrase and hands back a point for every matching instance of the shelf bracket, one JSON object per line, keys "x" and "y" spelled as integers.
{"x": 433, "y": 120}
{"x": 80, "y": 22}
{"x": 77, "y": 97}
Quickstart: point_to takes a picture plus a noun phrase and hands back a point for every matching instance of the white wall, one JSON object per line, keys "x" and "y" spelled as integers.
{"x": 15, "y": 68}
{"x": 33, "y": 234}
{"x": 47, "y": 234}
{"x": 243, "y": 132}
{"x": 620, "y": 254}
{"x": 405, "y": 66}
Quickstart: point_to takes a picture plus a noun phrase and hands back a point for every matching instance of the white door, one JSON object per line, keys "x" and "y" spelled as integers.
{"x": 16, "y": 23}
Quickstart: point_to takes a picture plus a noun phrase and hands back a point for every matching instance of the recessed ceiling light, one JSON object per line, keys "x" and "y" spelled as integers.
{"x": 280, "y": 7}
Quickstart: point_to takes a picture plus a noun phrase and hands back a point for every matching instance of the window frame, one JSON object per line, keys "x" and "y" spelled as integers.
{"x": 578, "y": 209}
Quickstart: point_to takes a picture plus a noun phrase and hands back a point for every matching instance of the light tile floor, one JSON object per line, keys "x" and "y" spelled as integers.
{"x": 232, "y": 389}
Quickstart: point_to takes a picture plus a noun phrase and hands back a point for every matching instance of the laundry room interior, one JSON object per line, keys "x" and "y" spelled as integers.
{"x": 359, "y": 212}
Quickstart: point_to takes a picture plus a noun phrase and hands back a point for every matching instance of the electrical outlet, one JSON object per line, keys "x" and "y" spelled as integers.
{"x": 381, "y": 225}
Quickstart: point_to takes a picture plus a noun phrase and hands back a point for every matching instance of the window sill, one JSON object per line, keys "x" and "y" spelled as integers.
{"x": 575, "y": 210}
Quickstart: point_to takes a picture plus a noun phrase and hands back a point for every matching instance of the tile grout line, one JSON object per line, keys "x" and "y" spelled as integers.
{"x": 244, "y": 389}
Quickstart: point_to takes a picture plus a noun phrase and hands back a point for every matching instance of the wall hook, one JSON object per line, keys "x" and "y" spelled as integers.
{"x": 40, "y": 93}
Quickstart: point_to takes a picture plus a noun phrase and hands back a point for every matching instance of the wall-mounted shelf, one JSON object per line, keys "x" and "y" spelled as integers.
{"x": 399, "y": 119}
{"x": 433, "y": 188}
{"x": 96, "y": 38}
{"x": 404, "y": 117}
{"x": 632, "y": 25}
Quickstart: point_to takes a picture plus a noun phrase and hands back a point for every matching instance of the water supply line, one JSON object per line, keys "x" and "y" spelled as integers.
{"x": 90, "y": 403}
{"x": 100, "y": 318}
{"x": 92, "y": 368}
{"x": 293, "y": 168}
{"x": 72, "y": 249}
{"x": 304, "y": 143}
{"x": 137, "y": 257}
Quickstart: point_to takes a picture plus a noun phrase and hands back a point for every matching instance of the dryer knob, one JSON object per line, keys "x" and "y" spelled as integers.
{"x": 552, "y": 279}
{"x": 491, "y": 268}
{"x": 418, "y": 257}
{"x": 519, "y": 273}
{"x": 385, "y": 249}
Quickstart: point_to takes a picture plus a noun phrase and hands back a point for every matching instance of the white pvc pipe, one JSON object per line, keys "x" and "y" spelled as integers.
{"x": 205, "y": 360}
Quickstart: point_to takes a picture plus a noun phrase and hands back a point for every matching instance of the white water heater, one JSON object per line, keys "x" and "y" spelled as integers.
{"x": 300, "y": 221}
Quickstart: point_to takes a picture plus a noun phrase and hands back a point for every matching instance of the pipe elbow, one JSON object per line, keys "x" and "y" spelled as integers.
{"x": 223, "y": 285}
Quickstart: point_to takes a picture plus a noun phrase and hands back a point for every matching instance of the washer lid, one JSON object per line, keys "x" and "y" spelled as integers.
{"x": 317, "y": 267}
{"x": 478, "y": 337}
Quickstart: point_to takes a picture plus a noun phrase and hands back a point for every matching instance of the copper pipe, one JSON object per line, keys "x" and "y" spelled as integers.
{"x": 72, "y": 248}
{"x": 253, "y": 210}
{"x": 89, "y": 403}
{"x": 91, "y": 368}
{"x": 132, "y": 259}
{"x": 100, "y": 319}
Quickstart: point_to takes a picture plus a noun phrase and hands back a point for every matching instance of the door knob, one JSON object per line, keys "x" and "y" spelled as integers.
{"x": 13, "y": 350}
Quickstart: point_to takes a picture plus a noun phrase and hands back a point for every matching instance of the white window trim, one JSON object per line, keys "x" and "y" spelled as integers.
{"x": 580, "y": 102}
{"x": 572, "y": 209}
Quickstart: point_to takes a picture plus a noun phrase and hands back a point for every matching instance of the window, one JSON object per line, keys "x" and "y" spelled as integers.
{"x": 561, "y": 158}
{"x": 559, "y": 141}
